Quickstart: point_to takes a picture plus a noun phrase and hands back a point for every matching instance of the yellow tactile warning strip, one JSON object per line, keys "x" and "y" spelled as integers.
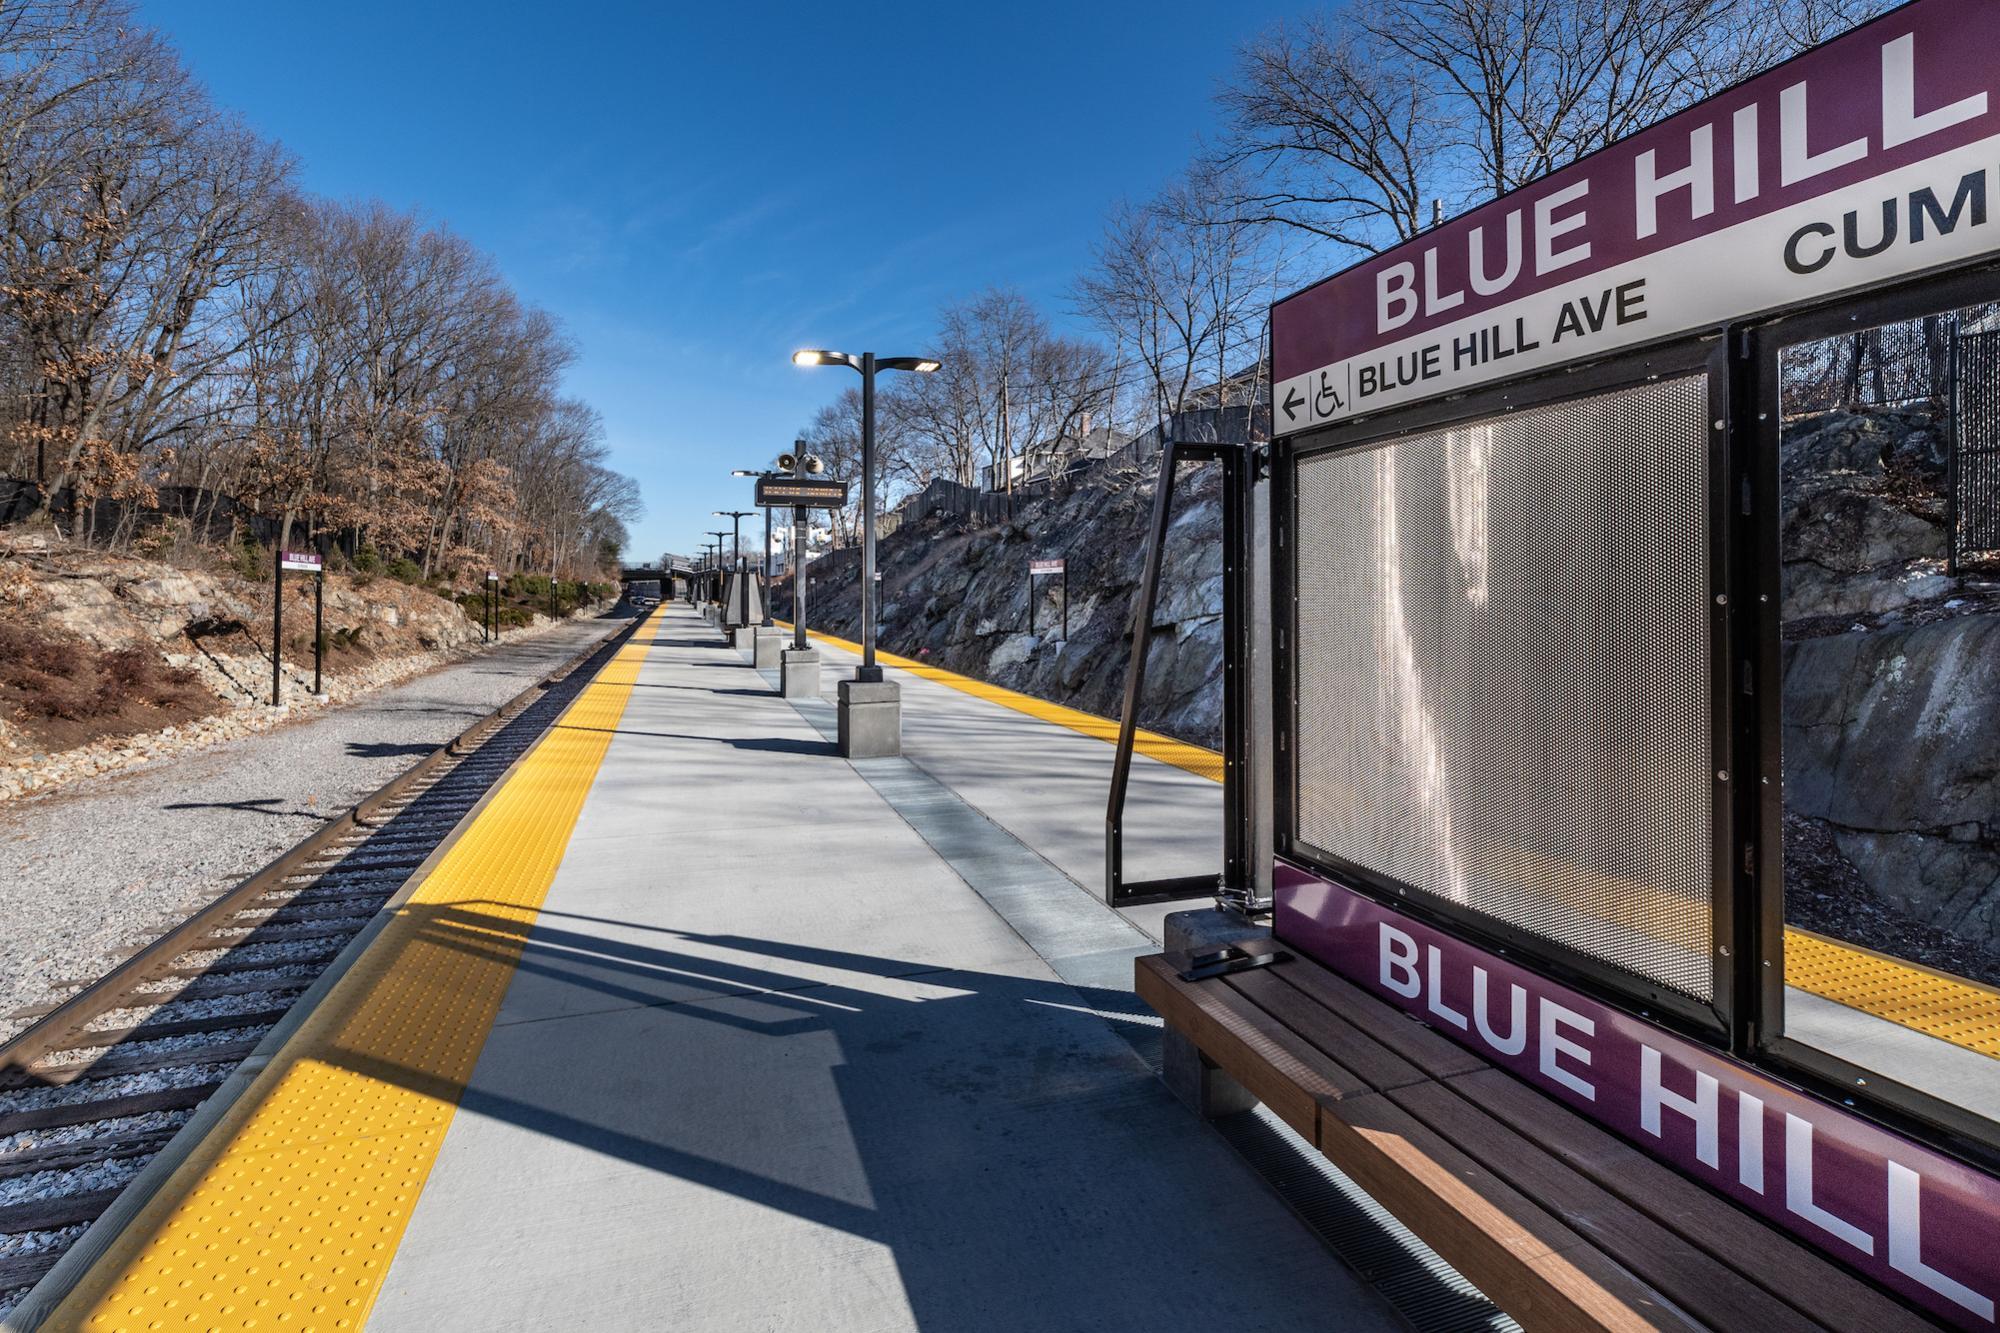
{"x": 288, "y": 1214}
{"x": 1961, "y": 1012}
{"x": 1949, "y": 1008}
{"x": 1194, "y": 758}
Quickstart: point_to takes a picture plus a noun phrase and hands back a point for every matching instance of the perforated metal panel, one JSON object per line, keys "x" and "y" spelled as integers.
{"x": 1502, "y": 672}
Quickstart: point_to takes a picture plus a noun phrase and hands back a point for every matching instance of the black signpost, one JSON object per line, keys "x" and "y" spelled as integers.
{"x": 799, "y": 492}
{"x": 1058, "y": 566}
{"x": 492, "y": 605}
{"x": 305, "y": 562}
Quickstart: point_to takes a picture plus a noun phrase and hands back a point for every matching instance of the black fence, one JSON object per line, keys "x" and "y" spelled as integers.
{"x": 1975, "y": 465}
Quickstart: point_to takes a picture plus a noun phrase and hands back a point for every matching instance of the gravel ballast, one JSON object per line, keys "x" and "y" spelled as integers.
{"x": 107, "y": 863}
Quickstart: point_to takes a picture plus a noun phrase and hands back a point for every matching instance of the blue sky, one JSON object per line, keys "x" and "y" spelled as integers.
{"x": 695, "y": 190}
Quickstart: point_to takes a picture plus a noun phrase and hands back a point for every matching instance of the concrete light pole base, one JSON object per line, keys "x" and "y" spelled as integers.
{"x": 743, "y": 637}
{"x": 771, "y": 643}
{"x": 798, "y": 673}
{"x": 871, "y": 719}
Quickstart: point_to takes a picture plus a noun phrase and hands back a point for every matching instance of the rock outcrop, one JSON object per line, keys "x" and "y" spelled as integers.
{"x": 958, "y": 597}
{"x": 1864, "y": 512}
{"x": 1892, "y": 738}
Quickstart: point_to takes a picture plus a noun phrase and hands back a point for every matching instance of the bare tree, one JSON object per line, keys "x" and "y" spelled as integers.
{"x": 1183, "y": 281}
{"x": 1356, "y": 126}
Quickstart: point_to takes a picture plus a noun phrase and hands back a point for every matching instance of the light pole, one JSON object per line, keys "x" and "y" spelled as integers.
{"x": 763, "y": 557}
{"x": 866, "y": 364}
{"x": 715, "y": 573}
{"x": 736, "y": 517}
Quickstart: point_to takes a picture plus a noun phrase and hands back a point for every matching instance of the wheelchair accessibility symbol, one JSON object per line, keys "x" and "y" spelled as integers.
{"x": 1326, "y": 399}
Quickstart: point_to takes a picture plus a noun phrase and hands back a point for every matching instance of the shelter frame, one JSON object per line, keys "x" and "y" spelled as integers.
{"x": 1740, "y": 361}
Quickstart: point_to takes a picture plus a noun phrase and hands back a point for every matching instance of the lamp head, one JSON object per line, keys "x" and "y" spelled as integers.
{"x": 809, "y": 357}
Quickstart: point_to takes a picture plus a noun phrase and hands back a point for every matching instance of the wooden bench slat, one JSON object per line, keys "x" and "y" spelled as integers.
{"x": 1693, "y": 1278}
{"x": 1524, "y": 1259}
{"x": 1248, "y": 1044}
{"x": 1327, "y": 1029}
{"x": 1433, "y": 1052}
{"x": 1762, "y": 1253}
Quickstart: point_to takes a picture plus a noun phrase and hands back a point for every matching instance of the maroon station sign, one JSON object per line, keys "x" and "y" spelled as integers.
{"x": 1869, "y": 158}
{"x": 1913, "y": 1219}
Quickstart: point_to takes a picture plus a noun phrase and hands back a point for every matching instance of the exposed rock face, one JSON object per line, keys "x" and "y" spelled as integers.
{"x": 1864, "y": 512}
{"x": 959, "y": 599}
{"x": 1893, "y": 738}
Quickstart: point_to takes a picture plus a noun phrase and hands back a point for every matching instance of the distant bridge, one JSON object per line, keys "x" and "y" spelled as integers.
{"x": 672, "y": 575}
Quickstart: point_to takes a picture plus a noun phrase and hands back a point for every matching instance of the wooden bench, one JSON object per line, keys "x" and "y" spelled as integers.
{"x": 1558, "y": 1222}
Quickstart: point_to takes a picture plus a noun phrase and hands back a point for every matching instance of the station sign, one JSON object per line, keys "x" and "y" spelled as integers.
{"x": 1870, "y": 158}
{"x": 492, "y": 576}
{"x": 304, "y": 561}
{"x": 780, "y": 492}
{"x": 1911, "y": 1218}
{"x": 1054, "y": 566}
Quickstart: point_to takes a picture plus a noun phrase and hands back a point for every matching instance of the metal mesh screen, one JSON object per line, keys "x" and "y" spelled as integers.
{"x": 1503, "y": 695}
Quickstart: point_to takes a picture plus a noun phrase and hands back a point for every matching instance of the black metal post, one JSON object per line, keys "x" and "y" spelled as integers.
{"x": 1065, "y": 583}
{"x": 1234, "y": 883}
{"x": 868, "y": 670}
{"x": 1031, "y": 598}
{"x": 277, "y": 615}
{"x": 1239, "y": 523}
{"x": 736, "y": 517}
{"x": 319, "y": 625}
{"x": 799, "y": 570}
{"x": 764, "y": 570}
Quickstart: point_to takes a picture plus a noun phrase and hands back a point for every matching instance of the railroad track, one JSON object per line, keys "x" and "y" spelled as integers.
{"x": 102, "y": 1081}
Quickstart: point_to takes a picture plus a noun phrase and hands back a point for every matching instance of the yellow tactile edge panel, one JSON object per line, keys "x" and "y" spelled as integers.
{"x": 1949, "y": 1008}
{"x": 1193, "y": 758}
{"x": 1961, "y": 1012}
{"x": 288, "y": 1214}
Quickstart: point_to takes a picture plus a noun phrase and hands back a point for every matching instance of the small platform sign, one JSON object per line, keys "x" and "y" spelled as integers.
{"x": 492, "y": 577}
{"x": 1054, "y": 566}
{"x": 304, "y": 561}
{"x": 777, "y": 492}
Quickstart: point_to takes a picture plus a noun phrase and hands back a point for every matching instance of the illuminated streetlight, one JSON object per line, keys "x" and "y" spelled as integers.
{"x": 866, "y": 364}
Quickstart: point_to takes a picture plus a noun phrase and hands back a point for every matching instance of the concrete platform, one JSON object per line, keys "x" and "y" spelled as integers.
{"x": 788, "y": 1042}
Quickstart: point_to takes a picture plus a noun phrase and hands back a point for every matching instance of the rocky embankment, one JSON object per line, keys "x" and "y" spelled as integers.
{"x": 958, "y": 598}
{"x": 194, "y": 646}
{"x": 1891, "y": 686}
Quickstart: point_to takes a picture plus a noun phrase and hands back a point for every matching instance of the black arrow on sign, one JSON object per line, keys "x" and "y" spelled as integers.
{"x": 1293, "y": 402}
